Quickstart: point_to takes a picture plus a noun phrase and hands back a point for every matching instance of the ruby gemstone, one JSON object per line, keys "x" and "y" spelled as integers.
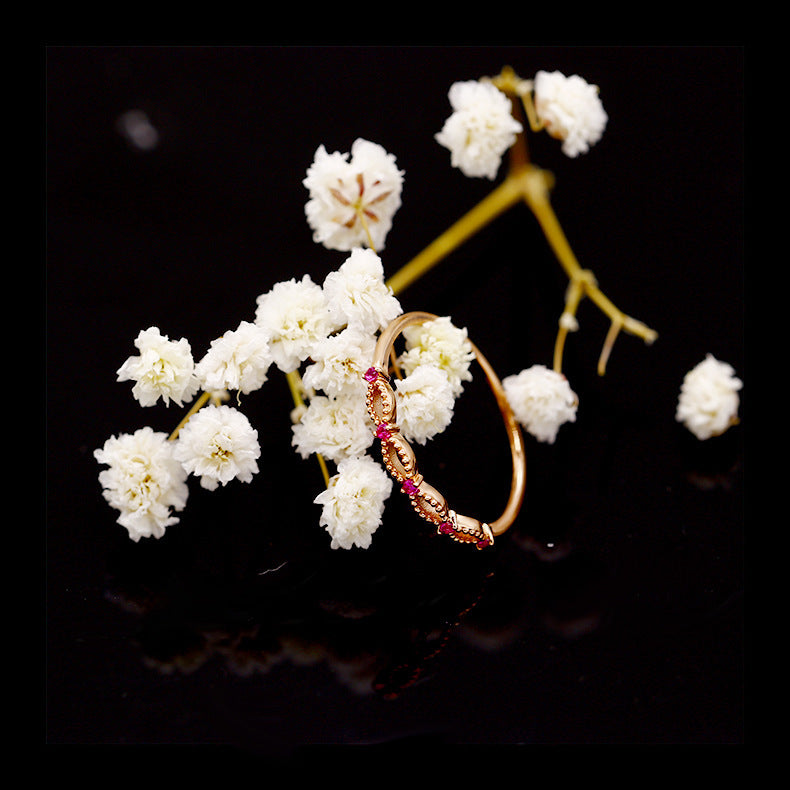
{"x": 371, "y": 374}
{"x": 383, "y": 433}
{"x": 409, "y": 488}
{"x": 446, "y": 528}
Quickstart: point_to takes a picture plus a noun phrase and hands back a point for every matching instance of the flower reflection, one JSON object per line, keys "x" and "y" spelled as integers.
{"x": 708, "y": 467}
{"x": 380, "y": 627}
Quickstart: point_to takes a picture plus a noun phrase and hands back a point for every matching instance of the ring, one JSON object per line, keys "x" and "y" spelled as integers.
{"x": 399, "y": 456}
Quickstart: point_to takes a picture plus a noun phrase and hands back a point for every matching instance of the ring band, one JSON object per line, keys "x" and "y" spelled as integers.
{"x": 399, "y": 457}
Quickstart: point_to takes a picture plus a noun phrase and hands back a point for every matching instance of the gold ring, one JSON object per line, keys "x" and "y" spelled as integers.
{"x": 399, "y": 456}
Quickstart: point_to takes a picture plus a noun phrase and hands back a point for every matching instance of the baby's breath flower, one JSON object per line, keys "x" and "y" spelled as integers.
{"x": 339, "y": 362}
{"x": 336, "y": 428}
{"x": 239, "y": 360}
{"x": 439, "y": 343}
{"x": 144, "y": 481}
{"x": 295, "y": 316}
{"x": 569, "y": 322}
{"x": 570, "y": 110}
{"x": 353, "y": 502}
{"x": 357, "y": 294}
{"x": 218, "y": 445}
{"x": 352, "y": 203}
{"x": 164, "y": 368}
{"x": 708, "y": 402}
{"x": 425, "y": 403}
{"x": 542, "y": 401}
{"x": 480, "y": 129}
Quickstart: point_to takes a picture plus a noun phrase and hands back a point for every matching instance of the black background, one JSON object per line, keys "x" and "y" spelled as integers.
{"x": 612, "y": 611}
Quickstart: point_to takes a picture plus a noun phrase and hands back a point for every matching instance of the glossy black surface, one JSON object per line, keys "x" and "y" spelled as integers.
{"x": 611, "y": 613}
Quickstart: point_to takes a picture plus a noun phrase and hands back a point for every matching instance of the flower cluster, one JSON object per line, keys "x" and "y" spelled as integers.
{"x": 542, "y": 401}
{"x": 239, "y": 360}
{"x": 327, "y": 332}
{"x": 218, "y": 445}
{"x": 570, "y": 110}
{"x": 352, "y": 201}
{"x": 440, "y": 344}
{"x": 144, "y": 482}
{"x": 335, "y": 423}
{"x": 353, "y": 502}
{"x": 482, "y": 127}
{"x": 163, "y": 369}
{"x": 708, "y": 401}
{"x": 322, "y": 336}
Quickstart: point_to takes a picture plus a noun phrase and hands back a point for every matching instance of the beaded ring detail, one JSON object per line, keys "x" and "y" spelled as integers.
{"x": 400, "y": 460}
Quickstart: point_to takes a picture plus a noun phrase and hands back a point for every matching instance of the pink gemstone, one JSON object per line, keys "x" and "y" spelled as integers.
{"x": 446, "y": 528}
{"x": 371, "y": 374}
{"x": 409, "y": 488}
{"x": 481, "y": 544}
{"x": 383, "y": 433}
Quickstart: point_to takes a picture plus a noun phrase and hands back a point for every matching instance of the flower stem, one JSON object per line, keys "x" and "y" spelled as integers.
{"x": 534, "y": 189}
{"x": 295, "y": 384}
{"x": 567, "y": 321}
{"x": 364, "y": 223}
{"x": 611, "y": 336}
{"x": 495, "y": 203}
{"x": 536, "y": 185}
{"x": 196, "y": 406}
{"x": 531, "y": 184}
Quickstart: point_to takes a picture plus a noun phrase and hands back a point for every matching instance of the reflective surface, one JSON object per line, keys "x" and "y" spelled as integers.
{"x": 610, "y": 613}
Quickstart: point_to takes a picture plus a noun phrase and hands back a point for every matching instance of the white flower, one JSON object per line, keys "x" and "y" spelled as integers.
{"x": 144, "y": 481}
{"x": 335, "y": 428}
{"x": 570, "y": 110}
{"x": 349, "y": 199}
{"x": 239, "y": 360}
{"x": 425, "y": 403}
{"x": 164, "y": 368}
{"x": 439, "y": 343}
{"x": 708, "y": 402}
{"x": 357, "y": 294}
{"x": 295, "y": 316}
{"x": 569, "y": 322}
{"x": 218, "y": 444}
{"x": 542, "y": 401}
{"x": 353, "y": 502}
{"x": 480, "y": 129}
{"x": 339, "y": 362}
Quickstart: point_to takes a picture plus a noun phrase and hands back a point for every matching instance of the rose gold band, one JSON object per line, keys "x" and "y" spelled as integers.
{"x": 400, "y": 460}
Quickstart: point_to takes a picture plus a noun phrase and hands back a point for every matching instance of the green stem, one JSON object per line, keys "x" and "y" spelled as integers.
{"x": 295, "y": 384}
{"x": 507, "y": 194}
{"x": 196, "y": 406}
